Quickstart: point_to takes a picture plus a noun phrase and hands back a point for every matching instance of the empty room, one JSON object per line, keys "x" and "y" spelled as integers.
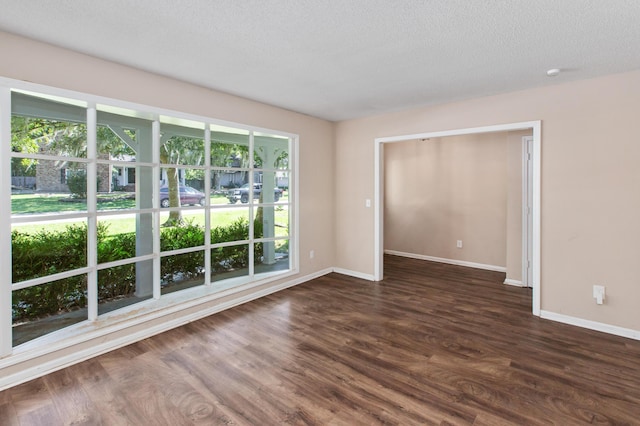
{"x": 345, "y": 213}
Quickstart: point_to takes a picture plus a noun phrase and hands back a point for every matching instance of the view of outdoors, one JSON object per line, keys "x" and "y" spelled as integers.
{"x": 111, "y": 207}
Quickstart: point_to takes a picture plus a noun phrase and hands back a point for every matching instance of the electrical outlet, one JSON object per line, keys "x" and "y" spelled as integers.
{"x": 312, "y": 254}
{"x": 459, "y": 243}
{"x": 599, "y": 294}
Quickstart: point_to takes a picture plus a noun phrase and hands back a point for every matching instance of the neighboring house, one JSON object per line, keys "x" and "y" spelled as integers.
{"x": 53, "y": 177}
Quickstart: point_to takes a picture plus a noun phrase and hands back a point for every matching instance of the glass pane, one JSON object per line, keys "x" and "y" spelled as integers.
{"x": 116, "y": 142}
{"x": 271, "y": 221}
{"x": 272, "y": 256}
{"x": 181, "y": 187}
{"x": 45, "y": 308}
{"x": 182, "y": 271}
{"x": 271, "y": 151}
{"x": 229, "y": 224}
{"x": 184, "y": 232}
{"x": 48, "y": 127}
{"x": 61, "y": 187}
{"x": 229, "y": 150}
{"x": 282, "y": 182}
{"x": 182, "y": 145}
{"x": 229, "y": 262}
{"x": 42, "y": 249}
{"x": 117, "y": 287}
{"x": 116, "y": 238}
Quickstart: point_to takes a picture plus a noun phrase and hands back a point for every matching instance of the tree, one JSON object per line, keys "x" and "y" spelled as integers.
{"x": 64, "y": 138}
{"x": 176, "y": 150}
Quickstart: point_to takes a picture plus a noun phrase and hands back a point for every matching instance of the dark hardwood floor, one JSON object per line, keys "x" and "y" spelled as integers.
{"x": 431, "y": 344}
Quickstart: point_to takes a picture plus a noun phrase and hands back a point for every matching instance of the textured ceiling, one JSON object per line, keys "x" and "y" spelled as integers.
{"x": 340, "y": 59}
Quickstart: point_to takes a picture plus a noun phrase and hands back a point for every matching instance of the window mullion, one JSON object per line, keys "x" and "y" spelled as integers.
{"x": 207, "y": 205}
{"x": 6, "y": 339}
{"x": 251, "y": 210}
{"x": 92, "y": 225}
{"x": 155, "y": 139}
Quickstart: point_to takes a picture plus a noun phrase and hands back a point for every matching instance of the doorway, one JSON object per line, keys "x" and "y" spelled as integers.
{"x": 531, "y": 232}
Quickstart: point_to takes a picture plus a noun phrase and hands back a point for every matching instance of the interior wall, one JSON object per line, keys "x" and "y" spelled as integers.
{"x": 590, "y": 201}
{"x": 442, "y": 190}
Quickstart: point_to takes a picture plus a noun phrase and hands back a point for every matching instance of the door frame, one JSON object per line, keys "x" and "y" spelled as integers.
{"x": 534, "y": 126}
{"x": 527, "y": 201}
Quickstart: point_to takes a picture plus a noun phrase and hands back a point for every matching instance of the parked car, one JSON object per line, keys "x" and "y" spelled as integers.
{"x": 188, "y": 195}
{"x": 242, "y": 193}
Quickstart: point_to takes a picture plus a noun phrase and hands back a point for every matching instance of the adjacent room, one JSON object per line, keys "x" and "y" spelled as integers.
{"x": 361, "y": 212}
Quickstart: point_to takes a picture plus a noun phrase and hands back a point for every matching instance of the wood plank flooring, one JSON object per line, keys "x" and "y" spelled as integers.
{"x": 431, "y": 344}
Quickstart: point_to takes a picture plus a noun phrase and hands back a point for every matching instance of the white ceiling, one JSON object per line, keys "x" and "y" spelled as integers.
{"x": 341, "y": 59}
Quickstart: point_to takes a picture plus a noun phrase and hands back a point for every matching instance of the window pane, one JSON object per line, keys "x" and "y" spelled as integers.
{"x": 271, "y": 221}
{"x": 181, "y": 187}
{"x": 116, "y": 238}
{"x": 271, "y": 151}
{"x": 117, "y": 286}
{"x": 229, "y": 224}
{"x": 182, "y": 271}
{"x": 272, "y": 256}
{"x": 116, "y": 142}
{"x": 61, "y": 187}
{"x": 189, "y": 232}
{"x": 47, "y": 127}
{"x": 45, "y": 308}
{"x": 229, "y": 262}
{"x": 229, "y": 149}
{"x": 282, "y": 182}
{"x": 181, "y": 144}
{"x": 39, "y": 250}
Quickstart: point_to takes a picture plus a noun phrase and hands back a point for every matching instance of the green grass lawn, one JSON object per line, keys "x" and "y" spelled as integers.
{"x": 40, "y": 203}
{"x": 61, "y": 203}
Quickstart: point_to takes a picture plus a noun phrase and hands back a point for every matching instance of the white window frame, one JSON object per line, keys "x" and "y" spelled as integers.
{"x": 158, "y": 306}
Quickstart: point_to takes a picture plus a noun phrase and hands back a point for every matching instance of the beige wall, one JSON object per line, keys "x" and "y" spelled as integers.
{"x": 441, "y": 190}
{"x": 590, "y": 200}
{"x": 23, "y": 59}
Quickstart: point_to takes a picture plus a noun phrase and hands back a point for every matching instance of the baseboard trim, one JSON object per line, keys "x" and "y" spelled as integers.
{"x": 592, "y": 325}
{"x": 106, "y": 344}
{"x": 449, "y": 261}
{"x": 515, "y": 283}
{"x": 354, "y": 274}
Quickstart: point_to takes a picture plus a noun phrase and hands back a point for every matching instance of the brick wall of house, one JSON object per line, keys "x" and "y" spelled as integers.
{"x": 49, "y": 177}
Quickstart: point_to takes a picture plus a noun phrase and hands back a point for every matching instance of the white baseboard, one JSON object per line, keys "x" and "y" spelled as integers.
{"x": 592, "y": 325}
{"x": 106, "y": 342}
{"x": 449, "y": 261}
{"x": 515, "y": 283}
{"x": 354, "y": 274}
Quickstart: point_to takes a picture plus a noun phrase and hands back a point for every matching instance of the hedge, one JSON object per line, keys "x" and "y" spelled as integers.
{"x": 46, "y": 253}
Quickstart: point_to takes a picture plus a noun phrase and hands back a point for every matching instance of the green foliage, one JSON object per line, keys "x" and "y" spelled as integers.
{"x": 77, "y": 183}
{"x": 46, "y": 299}
{"x": 46, "y": 253}
{"x": 30, "y": 134}
{"x": 120, "y": 281}
{"x": 185, "y": 266}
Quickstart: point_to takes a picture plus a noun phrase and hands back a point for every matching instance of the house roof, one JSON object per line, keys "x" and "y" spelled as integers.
{"x": 342, "y": 59}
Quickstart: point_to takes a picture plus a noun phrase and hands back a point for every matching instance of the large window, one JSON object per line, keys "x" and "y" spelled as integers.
{"x": 116, "y": 206}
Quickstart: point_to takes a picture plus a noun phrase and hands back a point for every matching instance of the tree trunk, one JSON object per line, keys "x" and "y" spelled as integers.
{"x": 175, "y": 216}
